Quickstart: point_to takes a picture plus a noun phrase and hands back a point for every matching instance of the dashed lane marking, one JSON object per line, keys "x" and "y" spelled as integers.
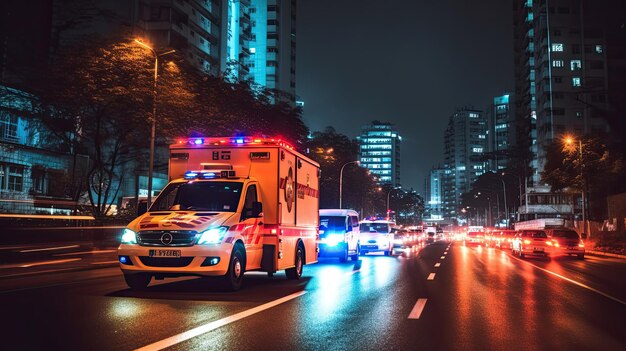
{"x": 443, "y": 257}
{"x": 431, "y": 276}
{"x": 416, "y": 312}
{"x": 437, "y": 264}
{"x": 203, "y": 329}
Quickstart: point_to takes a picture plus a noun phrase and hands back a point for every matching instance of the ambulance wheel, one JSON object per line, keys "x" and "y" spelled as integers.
{"x": 233, "y": 278}
{"x": 137, "y": 281}
{"x": 296, "y": 271}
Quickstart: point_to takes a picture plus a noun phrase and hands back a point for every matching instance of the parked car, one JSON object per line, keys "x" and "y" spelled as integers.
{"x": 339, "y": 234}
{"x": 532, "y": 242}
{"x": 566, "y": 242}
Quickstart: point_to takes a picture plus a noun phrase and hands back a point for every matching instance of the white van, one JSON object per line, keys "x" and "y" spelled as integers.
{"x": 377, "y": 235}
{"x": 339, "y": 234}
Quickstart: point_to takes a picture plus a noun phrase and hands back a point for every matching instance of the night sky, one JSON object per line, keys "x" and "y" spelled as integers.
{"x": 408, "y": 62}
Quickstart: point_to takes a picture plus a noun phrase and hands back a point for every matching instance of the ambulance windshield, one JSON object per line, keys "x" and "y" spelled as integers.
{"x": 199, "y": 196}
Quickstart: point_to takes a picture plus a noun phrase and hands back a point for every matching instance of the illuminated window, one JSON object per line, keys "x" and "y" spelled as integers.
{"x": 557, "y": 63}
{"x": 477, "y": 149}
{"x": 481, "y": 136}
{"x": 8, "y": 126}
{"x": 599, "y": 49}
{"x": 575, "y": 65}
{"x": 557, "y": 47}
{"x": 252, "y": 50}
{"x": 15, "y": 177}
{"x": 576, "y": 81}
{"x": 473, "y": 115}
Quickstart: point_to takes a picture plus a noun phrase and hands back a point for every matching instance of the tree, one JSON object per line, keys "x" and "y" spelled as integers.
{"x": 598, "y": 171}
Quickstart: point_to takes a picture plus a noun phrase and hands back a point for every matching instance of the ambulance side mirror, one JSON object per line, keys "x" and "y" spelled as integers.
{"x": 257, "y": 209}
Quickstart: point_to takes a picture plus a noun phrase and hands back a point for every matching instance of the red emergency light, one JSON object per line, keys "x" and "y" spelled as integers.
{"x": 238, "y": 140}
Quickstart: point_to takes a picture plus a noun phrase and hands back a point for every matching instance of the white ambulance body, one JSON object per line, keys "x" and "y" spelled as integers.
{"x": 232, "y": 205}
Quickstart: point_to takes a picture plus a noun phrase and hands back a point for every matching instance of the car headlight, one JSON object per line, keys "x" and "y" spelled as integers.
{"x": 333, "y": 239}
{"x": 213, "y": 235}
{"x": 129, "y": 237}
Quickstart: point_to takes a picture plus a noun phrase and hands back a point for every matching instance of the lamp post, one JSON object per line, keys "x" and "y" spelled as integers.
{"x": 570, "y": 141}
{"x": 154, "y": 111}
{"x": 341, "y": 180}
{"x": 389, "y": 193}
{"x": 519, "y": 180}
{"x": 506, "y": 208}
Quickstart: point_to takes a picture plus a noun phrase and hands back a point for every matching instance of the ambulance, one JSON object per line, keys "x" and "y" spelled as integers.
{"x": 233, "y": 204}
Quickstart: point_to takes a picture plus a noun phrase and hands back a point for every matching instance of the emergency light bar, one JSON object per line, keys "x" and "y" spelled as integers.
{"x": 210, "y": 175}
{"x": 230, "y": 141}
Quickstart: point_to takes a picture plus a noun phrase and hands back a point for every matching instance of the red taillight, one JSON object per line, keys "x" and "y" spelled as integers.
{"x": 549, "y": 243}
{"x": 582, "y": 244}
{"x": 526, "y": 241}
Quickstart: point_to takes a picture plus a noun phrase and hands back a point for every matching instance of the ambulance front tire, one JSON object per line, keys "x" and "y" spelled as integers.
{"x": 296, "y": 271}
{"x": 344, "y": 255}
{"x": 233, "y": 278}
{"x": 137, "y": 281}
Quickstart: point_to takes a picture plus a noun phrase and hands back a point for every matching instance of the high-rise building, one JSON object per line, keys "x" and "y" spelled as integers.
{"x": 379, "y": 151}
{"x": 272, "y": 61}
{"x": 465, "y": 142}
{"x": 568, "y": 66}
{"x": 433, "y": 194}
{"x": 500, "y": 121}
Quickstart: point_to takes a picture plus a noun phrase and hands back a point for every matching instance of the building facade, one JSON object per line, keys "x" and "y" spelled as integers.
{"x": 379, "y": 151}
{"x": 433, "y": 194}
{"x": 500, "y": 120}
{"x": 564, "y": 51}
{"x": 272, "y": 61}
{"x": 465, "y": 145}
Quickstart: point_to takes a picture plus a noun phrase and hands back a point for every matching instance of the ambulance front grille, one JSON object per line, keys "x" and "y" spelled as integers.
{"x": 160, "y": 237}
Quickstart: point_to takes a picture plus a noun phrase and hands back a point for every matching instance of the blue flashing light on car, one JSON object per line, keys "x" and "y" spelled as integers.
{"x": 198, "y": 141}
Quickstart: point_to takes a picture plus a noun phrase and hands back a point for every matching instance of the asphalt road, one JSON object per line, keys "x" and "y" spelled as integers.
{"x": 439, "y": 297}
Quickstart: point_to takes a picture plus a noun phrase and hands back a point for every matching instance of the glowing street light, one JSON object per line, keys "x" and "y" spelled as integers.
{"x": 341, "y": 180}
{"x": 569, "y": 140}
{"x": 154, "y": 111}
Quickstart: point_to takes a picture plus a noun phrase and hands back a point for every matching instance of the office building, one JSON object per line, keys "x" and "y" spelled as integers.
{"x": 465, "y": 143}
{"x": 379, "y": 151}
{"x": 433, "y": 195}
{"x": 272, "y": 60}
{"x": 500, "y": 120}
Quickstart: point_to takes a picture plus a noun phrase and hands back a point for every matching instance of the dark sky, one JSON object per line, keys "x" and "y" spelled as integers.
{"x": 409, "y": 62}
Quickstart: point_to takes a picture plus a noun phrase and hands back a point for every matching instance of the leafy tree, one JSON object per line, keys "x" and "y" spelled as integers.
{"x": 598, "y": 171}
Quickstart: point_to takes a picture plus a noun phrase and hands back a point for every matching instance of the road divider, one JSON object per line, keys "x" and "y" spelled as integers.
{"x": 203, "y": 329}
{"x": 416, "y": 312}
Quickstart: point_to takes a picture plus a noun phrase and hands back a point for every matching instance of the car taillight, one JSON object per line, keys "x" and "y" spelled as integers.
{"x": 556, "y": 243}
{"x": 582, "y": 244}
{"x": 526, "y": 241}
{"x": 549, "y": 243}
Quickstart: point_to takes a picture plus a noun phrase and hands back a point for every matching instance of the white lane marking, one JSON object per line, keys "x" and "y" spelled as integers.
{"x": 437, "y": 264}
{"x": 431, "y": 276}
{"x": 443, "y": 257}
{"x": 86, "y": 252}
{"x": 49, "y": 262}
{"x": 52, "y": 248}
{"x": 416, "y": 312}
{"x": 573, "y": 282}
{"x": 173, "y": 340}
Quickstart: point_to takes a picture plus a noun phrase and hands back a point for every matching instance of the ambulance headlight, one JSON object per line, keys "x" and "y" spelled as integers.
{"x": 129, "y": 237}
{"x": 213, "y": 235}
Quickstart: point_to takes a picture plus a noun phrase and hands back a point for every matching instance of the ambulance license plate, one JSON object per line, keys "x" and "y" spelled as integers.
{"x": 164, "y": 253}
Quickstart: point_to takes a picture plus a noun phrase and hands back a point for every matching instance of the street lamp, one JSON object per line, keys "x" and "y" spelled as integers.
{"x": 570, "y": 141}
{"x": 506, "y": 208}
{"x": 389, "y": 193}
{"x": 341, "y": 180}
{"x": 154, "y": 111}
{"x": 519, "y": 180}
